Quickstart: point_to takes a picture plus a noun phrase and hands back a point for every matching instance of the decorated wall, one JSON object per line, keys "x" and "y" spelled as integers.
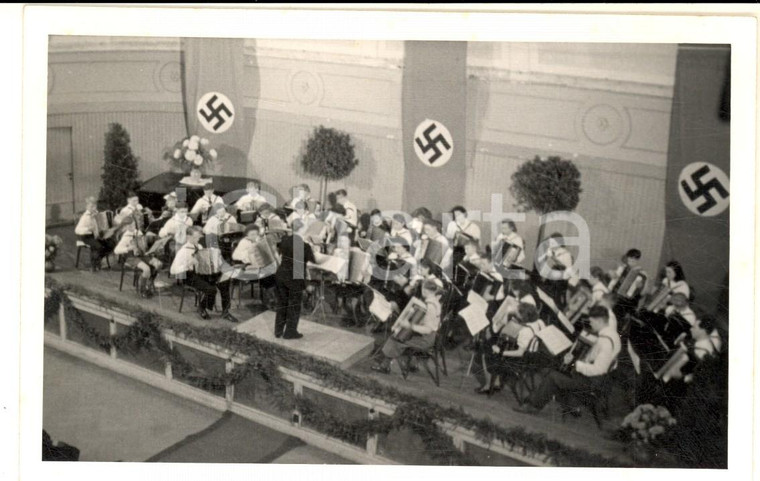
{"x": 605, "y": 106}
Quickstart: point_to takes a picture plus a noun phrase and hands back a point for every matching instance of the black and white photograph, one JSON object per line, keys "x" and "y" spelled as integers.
{"x": 421, "y": 249}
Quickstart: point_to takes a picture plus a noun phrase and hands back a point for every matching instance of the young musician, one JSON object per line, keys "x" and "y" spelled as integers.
{"x": 136, "y": 258}
{"x": 587, "y": 374}
{"x": 675, "y": 282}
{"x": 301, "y": 193}
{"x": 423, "y": 333}
{"x": 352, "y": 214}
{"x": 461, "y": 227}
{"x": 167, "y": 211}
{"x": 300, "y": 213}
{"x": 500, "y": 359}
{"x": 433, "y": 233}
{"x": 398, "y": 229}
{"x": 269, "y": 220}
{"x": 425, "y": 271}
{"x": 177, "y": 225}
{"x": 87, "y": 231}
{"x": 219, "y": 218}
{"x": 520, "y": 290}
{"x": 560, "y": 262}
{"x": 290, "y": 280}
{"x": 202, "y": 206}
{"x": 378, "y": 229}
{"x": 132, "y": 209}
{"x": 628, "y": 301}
{"x": 185, "y": 265}
{"x": 705, "y": 342}
{"x": 252, "y": 199}
{"x": 419, "y": 215}
{"x": 509, "y": 235}
{"x": 265, "y": 274}
{"x": 599, "y": 282}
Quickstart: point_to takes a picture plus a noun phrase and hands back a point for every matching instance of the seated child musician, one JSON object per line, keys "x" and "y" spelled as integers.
{"x": 423, "y": 334}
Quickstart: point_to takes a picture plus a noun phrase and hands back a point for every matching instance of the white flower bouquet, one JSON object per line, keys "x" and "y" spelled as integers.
{"x": 191, "y": 153}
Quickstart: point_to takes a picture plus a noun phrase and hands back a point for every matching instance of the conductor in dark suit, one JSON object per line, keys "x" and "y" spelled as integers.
{"x": 290, "y": 282}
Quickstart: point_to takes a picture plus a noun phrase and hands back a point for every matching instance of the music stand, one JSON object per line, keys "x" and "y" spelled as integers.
{"x": 319, "y": 305}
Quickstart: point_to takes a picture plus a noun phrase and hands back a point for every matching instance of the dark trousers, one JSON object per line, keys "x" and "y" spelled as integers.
{"x": 208, "y": 286}
{"x": 289, "y": 297}
{"x": 556, "y": 382}
{"x": 99, "y": 248}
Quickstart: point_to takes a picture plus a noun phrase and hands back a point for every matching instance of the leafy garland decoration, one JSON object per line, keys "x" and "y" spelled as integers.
{"x": 264, "y": 359}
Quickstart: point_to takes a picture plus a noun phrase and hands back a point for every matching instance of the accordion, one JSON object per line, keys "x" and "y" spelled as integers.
{"x": 247, "y": 216}
{"x": 358, "y": 265}
{"x": 103, "y": 221}
{"x": 581, "y": 347}
{"x": 509, "y": 253}
{"x": 579, "y": 303}
{"x": 209, "y": 261}
{"x": 262, "y": 255}
{"x": 432, "y": 251}
{"x": 631, "y": 283}
{"x": 141, "y": 243}
{"x": 460, "y": 238}
{"x": 226, "y": 228}
{"x": 659, "y": 299}
{"x": 414, "y": 312}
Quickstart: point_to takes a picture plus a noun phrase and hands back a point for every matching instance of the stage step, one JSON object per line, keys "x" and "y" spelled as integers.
{"x": 334, "y": 345}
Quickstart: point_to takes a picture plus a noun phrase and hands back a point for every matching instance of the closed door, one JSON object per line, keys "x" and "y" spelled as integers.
{"x": 60, "y": 176}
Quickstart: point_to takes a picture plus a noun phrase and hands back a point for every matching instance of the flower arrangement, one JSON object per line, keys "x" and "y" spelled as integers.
{"x": 52, "y": 243}
{"x": 192, "y": 153}
{"x": 648, "y": 424}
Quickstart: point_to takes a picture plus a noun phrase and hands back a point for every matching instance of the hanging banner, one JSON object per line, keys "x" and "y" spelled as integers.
{"x": 434, "y": 108}
{"x": 698, "y": 172}
{"x": 213, "y": 77}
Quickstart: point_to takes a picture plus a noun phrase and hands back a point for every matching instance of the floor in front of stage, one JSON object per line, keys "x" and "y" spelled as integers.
{"x": 456, "y": 389}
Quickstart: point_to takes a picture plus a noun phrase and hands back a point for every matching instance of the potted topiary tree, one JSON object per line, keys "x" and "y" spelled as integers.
{"x": 546, "y": 186}
{"x": 120, "y": 172}
{"x": 329, "y": 155}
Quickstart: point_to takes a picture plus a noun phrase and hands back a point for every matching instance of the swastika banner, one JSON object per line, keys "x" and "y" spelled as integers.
{"x": 697, "y": 182}
{"x": 213, "y": 89}
{"x": 434, "y": 108}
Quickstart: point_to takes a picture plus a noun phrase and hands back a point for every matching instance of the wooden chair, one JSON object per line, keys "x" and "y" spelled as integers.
{"x": 434, "y": 353}
{"x": 122, "y": 260}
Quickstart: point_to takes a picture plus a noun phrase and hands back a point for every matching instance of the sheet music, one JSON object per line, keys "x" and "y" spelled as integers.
{"x": 476, "y": 300}
{"x": 380, "y": 307}
{"x": 554, "y": 340}
{"x": 560, "y": 315}
{"x": 509, "y": 304}
{"x": 332, "y": 264}
{"x": 475, "y": 318}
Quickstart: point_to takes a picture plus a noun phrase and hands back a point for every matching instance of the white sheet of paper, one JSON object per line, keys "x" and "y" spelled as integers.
{"x": 476, "y": 299}
{"x": 380, "y": 307}
{"x": 475, "y": 318}
{"x": 333, "y": 264}
{"x": 554, "y": 340}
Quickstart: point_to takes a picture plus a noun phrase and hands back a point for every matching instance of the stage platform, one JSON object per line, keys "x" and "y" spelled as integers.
{"x": 338, "y": 346}
{"x": 456, "y": 390}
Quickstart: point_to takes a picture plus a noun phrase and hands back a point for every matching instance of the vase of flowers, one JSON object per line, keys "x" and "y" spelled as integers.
{"x": 646, "y": 428}
{"x": 52, "y": 244}
{"x": 192, "y": 153}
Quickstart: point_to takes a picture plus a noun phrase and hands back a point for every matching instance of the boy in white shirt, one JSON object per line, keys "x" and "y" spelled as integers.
{"x": 253, "y": 199}
{"x": 202, "y": 206}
